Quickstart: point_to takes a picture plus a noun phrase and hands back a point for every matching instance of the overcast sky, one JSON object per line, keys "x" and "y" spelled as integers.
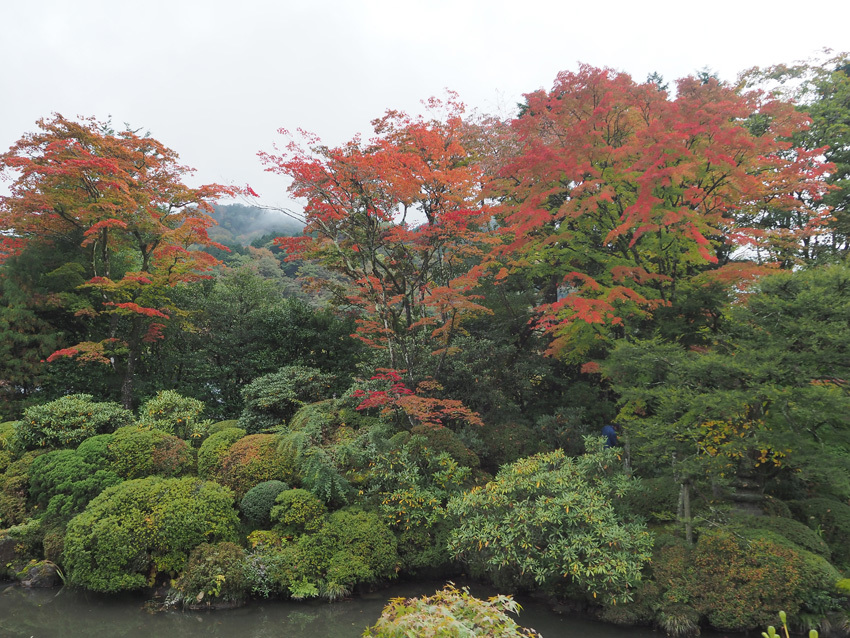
{"x": 215, "y": 79}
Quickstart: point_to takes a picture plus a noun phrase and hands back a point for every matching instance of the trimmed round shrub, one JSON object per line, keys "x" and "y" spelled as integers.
{"x": 66, "y": 422}
{"x": 272, "y": 400}
{"x": 737, "y": 584}
{"x": 352, "y": 547}
{"x": 135, "y": 530}
{"x": 792, "y": 531}
{"x": 174, "y": 414}
{"x": 95, "y": 449}
{"x": 450, "y": 612}
{"x": 214, "y": 576}
{"x": 297, "y": 511}
{"x": 218, "y": 426}
{"x": 62, "y": 483}
{"x": 257, "y": 503}
{"x": 832, "y": 520}
{"x": 137, "y": 453}
{"x": 252, "y": 460}
{"x": 214, "y": 449}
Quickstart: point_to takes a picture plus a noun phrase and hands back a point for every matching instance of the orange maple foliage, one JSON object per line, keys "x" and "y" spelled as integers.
{"x": 400, "y": 217}
{"x": 122, "y": 196}
{"x": 621, "y": 191}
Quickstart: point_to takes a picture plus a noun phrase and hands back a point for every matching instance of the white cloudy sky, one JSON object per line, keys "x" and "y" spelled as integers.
{"x": 214, "y": 79}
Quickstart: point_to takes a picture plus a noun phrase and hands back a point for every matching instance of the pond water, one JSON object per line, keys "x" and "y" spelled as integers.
{"x": 67, "y": 613}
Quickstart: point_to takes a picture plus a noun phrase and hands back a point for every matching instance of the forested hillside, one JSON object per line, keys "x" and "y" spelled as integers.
{"x": 409, "y": 373}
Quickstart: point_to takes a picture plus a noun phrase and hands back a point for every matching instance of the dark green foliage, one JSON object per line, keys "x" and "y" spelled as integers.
{"x": 442, "y": 439}
{"x": 66, "y": 422}
{"x": 257, "y": 503}
{"x": 214, "y": 448}
{"x": 654, "y": 499}
{"x": 137, "y": 453}
{"x": 297, "y": 511}
{"x": 95, "y": 450}
{"x": 136, "y": 529}
{"x": 215, "y": 574}
{"x": 254, "y": 459}
{"x": 174, "y": 414}
{"x": 14, "y": 489}
{"x": 63, "y": 482}
{"x": 831, "y": 520}
{"x": 272, "y": 400}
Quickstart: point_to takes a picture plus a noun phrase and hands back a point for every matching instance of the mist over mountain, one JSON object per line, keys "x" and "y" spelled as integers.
{"x": 241, "y": 224}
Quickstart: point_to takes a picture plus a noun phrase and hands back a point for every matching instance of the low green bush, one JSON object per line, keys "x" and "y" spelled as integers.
{"x": 133, "y": 531}
{"x": 450, "y": 612}
{"x": 174, "y": 414}
{"x": 136, "y": 453}
{"x": 62, "y": 483}
{"x": 254, "y": 459}
{"x": 213, "y": 450}
{"x": 352, "y": 547}
{"x": 831, "y": 520}
{"x": 66, "y": 422}
{"x": 800, "y": 535}
{"x": 297, "y": 511}
{"x": 257, "y": 503}
{"x": 14, "y": 490}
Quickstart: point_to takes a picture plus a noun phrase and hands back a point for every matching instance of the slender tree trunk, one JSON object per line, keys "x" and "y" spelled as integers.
{"x": 128, "y": 384}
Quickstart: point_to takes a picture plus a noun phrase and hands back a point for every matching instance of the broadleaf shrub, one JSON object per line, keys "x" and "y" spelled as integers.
{"x": 213, "y": 450}
{"x": 67, "y": 421}
{"x": 297, "y": 511}
{"x": 449, "y": 612}
{"x": 174, "y": 414}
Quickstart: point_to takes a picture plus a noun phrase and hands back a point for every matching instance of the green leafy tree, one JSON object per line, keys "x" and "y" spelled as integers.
{"x": 549, "y": 519}
{"x": 273, "y": 399}
{"x": 770, "y": 397}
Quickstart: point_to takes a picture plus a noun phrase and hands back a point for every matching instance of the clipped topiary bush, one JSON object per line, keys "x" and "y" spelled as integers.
{"x": 297, "y": 511}
{"x": 66, "y": 422}
{"x": 350, "y": 548}
{"x": 174, "y": 414}
{"x": 214, "y": 577}
{"x": 62, "y": 483}
{"x": 137, "y": 453}
{"x": 142, "y": 527}
{"x": 257, "y": 503}
{"x": 829, "y": 518}
{"x": 252, "y": 460}
{"x": 214, "y": 449}
{"x": 450, "y": 612}
{"x": 273, "y": 399}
